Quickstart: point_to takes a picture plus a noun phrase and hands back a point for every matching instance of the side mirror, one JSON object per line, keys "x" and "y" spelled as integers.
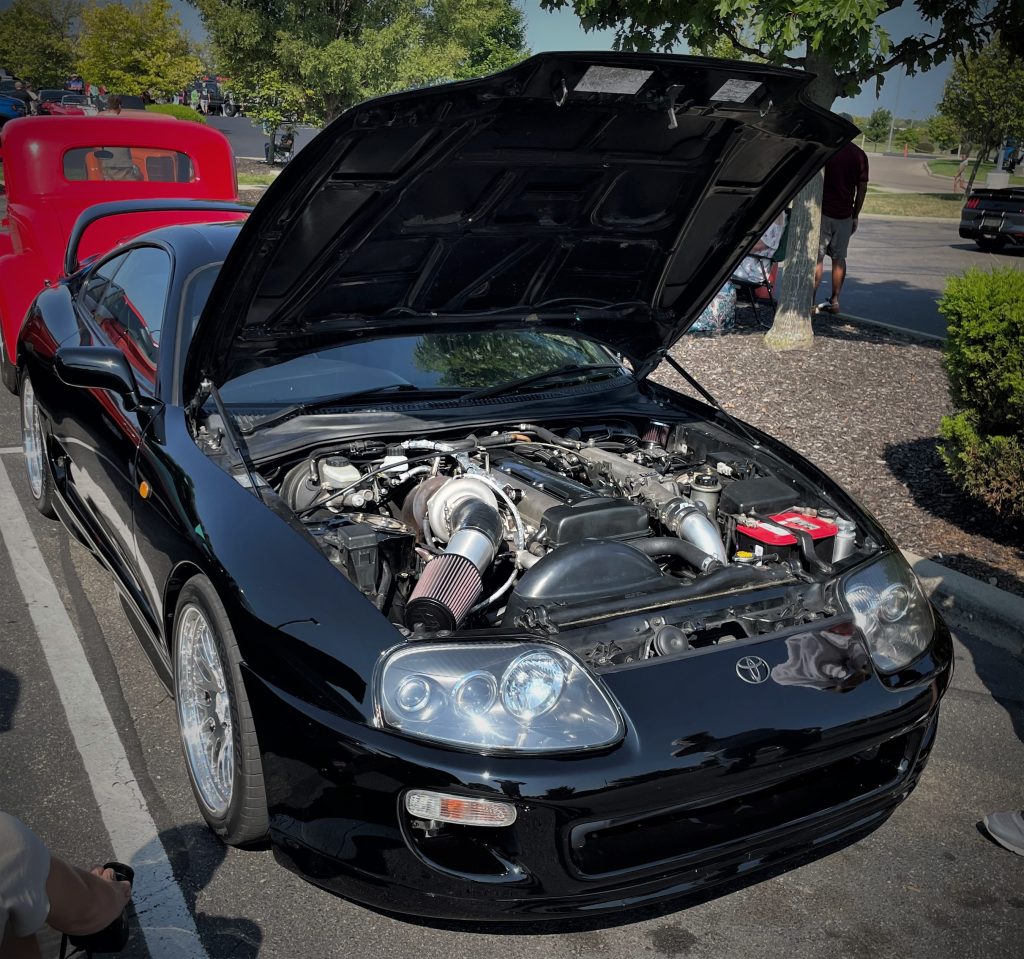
{"x": 98, "y": 367}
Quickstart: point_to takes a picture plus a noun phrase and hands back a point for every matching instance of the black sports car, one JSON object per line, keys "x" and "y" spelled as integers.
{"x": 994, "y": 218}
{"x": 457, "y": 605}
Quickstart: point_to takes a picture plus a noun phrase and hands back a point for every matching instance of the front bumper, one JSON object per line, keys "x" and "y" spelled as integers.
{"x": 715, "y": 779}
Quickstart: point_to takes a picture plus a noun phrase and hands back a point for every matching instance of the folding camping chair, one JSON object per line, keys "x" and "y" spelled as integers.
{"x": 765, "y": 265}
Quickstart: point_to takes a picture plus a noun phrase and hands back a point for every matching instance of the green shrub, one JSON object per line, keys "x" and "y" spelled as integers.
{"x": 983, "y": 444}
{"x": 988, "y": 467}
{"x": 925, "y": 146}
{"x": 177, "y": 110}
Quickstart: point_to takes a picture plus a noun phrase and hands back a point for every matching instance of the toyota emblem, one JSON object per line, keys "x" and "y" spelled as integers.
{"x": 753, "y": 669}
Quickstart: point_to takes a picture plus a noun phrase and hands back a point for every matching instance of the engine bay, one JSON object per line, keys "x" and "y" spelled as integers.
{"x": 622, "y": 540}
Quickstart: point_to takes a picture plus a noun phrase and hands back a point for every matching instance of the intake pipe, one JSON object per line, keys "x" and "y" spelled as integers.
{"x": 451, "y": 583}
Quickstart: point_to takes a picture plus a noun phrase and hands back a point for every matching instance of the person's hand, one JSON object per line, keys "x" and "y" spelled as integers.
{"x": 123, "y": 887}
{"x": 853, "y": 226}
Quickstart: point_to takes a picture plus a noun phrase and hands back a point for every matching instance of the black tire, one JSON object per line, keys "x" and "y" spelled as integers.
{"x": 990, "y": 244}
{"x": 244, "y": 821}
{"x": 33, "y": 440}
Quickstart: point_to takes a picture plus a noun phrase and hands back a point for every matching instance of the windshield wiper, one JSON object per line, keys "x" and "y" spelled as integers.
{"x": 301, "y": 409}
{"x": 565, "y": 372}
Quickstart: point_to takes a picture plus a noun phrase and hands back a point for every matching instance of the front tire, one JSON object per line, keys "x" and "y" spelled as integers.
{"x": 217, "y": 732}
{"x": 40, "y": 480}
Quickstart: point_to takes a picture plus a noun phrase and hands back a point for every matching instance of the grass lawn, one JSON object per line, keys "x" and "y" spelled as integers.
{"x": 913, "y": 204}
{"x": 949, "y": 168}
{"x": 256, "y": 179}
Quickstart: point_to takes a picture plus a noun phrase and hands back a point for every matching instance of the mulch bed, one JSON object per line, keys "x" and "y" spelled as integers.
{"x": 864, "y": 405}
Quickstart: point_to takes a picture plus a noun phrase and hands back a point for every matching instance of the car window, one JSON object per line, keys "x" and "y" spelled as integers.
{"x": 128, "y": 163}
{"x": 92, "y": 291}
{"x": 131, "y": 307}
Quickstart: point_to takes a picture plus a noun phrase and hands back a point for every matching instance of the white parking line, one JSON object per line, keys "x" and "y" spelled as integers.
{"x": 9, "y": 450}
{"x": 163, "y": 916}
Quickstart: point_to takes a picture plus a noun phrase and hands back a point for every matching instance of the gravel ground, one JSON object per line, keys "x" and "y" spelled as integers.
{"x": 864, "y": 405}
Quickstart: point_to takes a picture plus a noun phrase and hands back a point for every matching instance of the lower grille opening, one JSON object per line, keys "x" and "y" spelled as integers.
{"x": 605, "y": 848}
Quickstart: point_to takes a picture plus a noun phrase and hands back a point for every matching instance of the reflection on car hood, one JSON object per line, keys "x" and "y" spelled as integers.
{"x": 608, "y": 194}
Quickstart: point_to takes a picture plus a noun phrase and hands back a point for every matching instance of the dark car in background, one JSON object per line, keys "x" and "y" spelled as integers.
{"x": 994, "y": 218}
{"x": 128, "y": 101}
{"x": 460, "y": 608}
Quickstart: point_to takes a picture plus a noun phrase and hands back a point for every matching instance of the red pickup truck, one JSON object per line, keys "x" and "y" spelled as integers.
{"x": 53, "y": 172}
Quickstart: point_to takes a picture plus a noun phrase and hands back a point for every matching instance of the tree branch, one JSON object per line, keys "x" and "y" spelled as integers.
{"x": 900, "y": 56}
{"x": 733, "y": 37}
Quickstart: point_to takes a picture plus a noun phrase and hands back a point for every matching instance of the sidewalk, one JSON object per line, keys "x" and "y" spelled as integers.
{"x": 984, "y": 610}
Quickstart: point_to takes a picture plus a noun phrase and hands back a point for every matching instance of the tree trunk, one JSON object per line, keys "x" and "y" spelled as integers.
{"x": 792, "y": 327}
{"x": 982, "y": 153}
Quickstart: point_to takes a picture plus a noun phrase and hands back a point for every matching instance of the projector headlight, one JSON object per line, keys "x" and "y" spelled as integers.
{"x": 890, "y": 610}
{"x": 497, "y": 697}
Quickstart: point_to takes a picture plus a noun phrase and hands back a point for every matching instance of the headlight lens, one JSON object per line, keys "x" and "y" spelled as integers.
{"x": 891, "y": 612}
{"x": 500, "y": 697}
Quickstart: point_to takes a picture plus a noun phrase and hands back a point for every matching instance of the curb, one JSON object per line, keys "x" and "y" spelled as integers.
{"x": 986, "y": 611}
{"x": 912, "y": 219}
{"x": 914, "y": 334}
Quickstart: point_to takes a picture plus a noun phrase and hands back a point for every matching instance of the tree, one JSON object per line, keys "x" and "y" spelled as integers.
{"x": 984, "y": 98}
{"x": 906, "y": 137}
{"x": 841, "y": 43}
{"x": 37, "y": 40}
{"x": 345, "y": 51}
{"x": 131, "y": 49}
{"x": 944, "y": 133}
{"x": 877, "y": 127}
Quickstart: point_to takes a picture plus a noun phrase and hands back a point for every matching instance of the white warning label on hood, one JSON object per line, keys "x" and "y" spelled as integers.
{"x": 736, "y": 91}
{"x": 612, "y": 80}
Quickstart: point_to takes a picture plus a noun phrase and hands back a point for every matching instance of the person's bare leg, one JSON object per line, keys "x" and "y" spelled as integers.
{"x": 819, "y": 269}
{"x": 838, "y": 275}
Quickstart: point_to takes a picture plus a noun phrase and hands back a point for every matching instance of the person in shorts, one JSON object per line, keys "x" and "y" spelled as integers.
{"x": 846, "y": 185}
{"x": 37, "y": 889}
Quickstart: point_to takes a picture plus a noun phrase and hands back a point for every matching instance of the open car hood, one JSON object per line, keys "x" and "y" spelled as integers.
{"x": 604, "y": 194}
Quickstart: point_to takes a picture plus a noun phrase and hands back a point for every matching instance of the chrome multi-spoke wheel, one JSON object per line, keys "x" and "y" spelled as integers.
{"x": 218, "y": 734}
{"x": 204, "y": 711}
{"x": 32, "y": 438}
{"x": 39, "y": 482}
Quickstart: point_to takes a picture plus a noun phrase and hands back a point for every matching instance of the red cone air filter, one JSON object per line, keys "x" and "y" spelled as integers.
{"x": 444, "y": 594}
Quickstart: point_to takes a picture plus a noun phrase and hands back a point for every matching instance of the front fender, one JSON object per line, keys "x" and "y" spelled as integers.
{"x": 297, "y": 619}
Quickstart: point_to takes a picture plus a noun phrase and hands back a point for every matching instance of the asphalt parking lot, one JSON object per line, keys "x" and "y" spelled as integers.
{"x": 926, "y": 883}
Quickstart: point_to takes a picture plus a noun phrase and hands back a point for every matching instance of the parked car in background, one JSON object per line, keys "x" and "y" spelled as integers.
{"x": 11, "y": 108}
{"x": 104, "y": 102}
{"x": 213, "y": 91}
{"x": 55, "y": 171}
{"x": 994, "y": 218}
{"x": 461, "y": 610}
{"x": 60, "y": 103}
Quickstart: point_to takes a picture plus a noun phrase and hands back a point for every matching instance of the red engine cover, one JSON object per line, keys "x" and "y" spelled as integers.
{"x": 817, "y": 527}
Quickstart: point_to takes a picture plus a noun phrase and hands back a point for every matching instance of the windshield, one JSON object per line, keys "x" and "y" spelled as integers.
{"x": 431, "y": 361}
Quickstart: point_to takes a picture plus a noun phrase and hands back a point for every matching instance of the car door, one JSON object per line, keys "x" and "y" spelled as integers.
{"x": 122, "y": 303}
